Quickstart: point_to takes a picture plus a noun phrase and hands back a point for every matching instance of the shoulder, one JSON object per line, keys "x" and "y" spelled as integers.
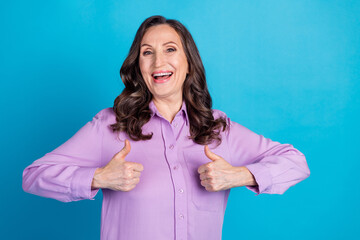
{"x": 106, "y": 115}
{"x": 233, "y": 126}
{"x": 218, "y": 113}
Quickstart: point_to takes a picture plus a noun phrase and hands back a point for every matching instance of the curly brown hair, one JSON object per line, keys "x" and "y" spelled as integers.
{"x": 132, "y": 105}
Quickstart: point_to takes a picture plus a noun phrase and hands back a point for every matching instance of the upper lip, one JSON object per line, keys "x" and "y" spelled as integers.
{"x": 162, "y": 71}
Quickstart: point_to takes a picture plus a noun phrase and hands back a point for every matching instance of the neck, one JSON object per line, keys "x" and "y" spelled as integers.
{"x": 168, "y": 108}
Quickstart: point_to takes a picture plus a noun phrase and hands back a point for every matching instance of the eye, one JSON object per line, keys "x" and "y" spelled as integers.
{"x": 171, "y": 50}
{"x": 146, "y": 53}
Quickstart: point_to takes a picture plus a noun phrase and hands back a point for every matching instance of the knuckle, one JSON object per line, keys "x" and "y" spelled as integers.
{"x": 127, "y": 165}
{"x": 210, "y": 165}
{"x": 127, "y": 188}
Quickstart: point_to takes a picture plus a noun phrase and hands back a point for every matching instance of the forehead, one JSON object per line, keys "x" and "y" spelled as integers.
{"x": 160, "y": 34}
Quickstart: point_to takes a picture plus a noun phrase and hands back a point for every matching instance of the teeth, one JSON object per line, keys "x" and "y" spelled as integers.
{"x": 162, "y": 74}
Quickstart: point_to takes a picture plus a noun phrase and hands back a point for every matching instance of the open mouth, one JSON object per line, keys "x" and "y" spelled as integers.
{"x": 162, "y": 77}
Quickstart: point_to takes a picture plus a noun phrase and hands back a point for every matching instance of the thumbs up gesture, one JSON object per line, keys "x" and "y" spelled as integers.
{"x": 220, "y": 175}
{"x": 118, "y": 174}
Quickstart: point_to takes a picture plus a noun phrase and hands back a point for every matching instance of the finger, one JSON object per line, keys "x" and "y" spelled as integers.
{"x": 212, "y": 156}
{"x": 138, "y": 167}
{"x": 202, "y": 169}
{"x": 203, "y": 177}
{"x": 136, "y": 174}
{"x": 203, "y": 183}
{"x": 134, "y": 181}
{"x": 124, "y": 151}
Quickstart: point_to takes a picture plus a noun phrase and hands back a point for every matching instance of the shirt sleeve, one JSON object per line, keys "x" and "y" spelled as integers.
{"x": 275, "y": 166}
{"x": 66, "y": 173}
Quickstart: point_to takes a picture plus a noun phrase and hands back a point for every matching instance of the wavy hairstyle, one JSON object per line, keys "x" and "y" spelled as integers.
{"x": 132, "y": 105}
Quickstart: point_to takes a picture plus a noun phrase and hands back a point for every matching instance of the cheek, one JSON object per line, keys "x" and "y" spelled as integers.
{"x": 184, "y": 65}
{"x": 144, "y": 72}
{"x": 181, "y": 66}
{"x": 144, "y": 66}
{"x": 183, "y": 69}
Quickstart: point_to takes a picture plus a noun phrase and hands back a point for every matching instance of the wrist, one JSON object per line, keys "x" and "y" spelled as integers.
{"x": 245, "y": 177}
{"x": 95, "y": 184}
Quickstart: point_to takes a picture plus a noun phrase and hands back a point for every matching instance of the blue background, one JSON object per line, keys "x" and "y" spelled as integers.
{"x": 289, "y": 70}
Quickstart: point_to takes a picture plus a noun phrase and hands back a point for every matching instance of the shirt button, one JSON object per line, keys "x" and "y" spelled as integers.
{"x": 181, "y": 216}
{"x": 181, "y": 190}
{"x": 175, "y": 167}
{"x": 175, "y": 124}
{"x": 171, "y": 146}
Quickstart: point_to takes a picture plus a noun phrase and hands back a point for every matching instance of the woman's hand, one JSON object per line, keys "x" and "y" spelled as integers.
{"x": 220, "y": 175}
{"x": 118, "y": 174}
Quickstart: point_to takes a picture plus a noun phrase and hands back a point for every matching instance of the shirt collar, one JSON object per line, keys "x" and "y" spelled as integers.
{"x": 182, "y": 111}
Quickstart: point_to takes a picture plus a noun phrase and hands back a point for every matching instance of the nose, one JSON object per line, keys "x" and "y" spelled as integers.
{"x": 159, "y": 59}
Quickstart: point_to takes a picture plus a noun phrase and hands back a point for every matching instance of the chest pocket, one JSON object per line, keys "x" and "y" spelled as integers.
{"x": 202, "y": 199}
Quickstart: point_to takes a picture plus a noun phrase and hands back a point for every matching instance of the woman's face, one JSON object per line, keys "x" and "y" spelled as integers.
{"x": 163, "y": 62}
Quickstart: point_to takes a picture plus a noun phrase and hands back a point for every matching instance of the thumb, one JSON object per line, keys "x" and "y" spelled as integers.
{"x": 124, "y": 151}
{"x": 212, "y": 156}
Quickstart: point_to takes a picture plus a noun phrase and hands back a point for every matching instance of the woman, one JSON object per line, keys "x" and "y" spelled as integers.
{"x": 165, "y": 160}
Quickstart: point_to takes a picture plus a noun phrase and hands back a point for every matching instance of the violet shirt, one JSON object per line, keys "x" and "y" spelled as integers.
{"x": 169, "y": 201}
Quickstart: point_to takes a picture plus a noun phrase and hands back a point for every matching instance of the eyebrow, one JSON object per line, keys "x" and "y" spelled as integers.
{"x": 145, "y": 44}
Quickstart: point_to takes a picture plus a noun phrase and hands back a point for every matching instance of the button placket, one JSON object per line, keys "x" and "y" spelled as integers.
{"x": 180, "y": 193}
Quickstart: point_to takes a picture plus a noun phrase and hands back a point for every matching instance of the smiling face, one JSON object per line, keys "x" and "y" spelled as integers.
{"x": 163, "y": 62}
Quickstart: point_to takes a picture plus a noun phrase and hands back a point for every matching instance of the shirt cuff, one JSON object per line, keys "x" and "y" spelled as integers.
{"x": 81, "y": 184}
{"x": 262, "y": 177}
